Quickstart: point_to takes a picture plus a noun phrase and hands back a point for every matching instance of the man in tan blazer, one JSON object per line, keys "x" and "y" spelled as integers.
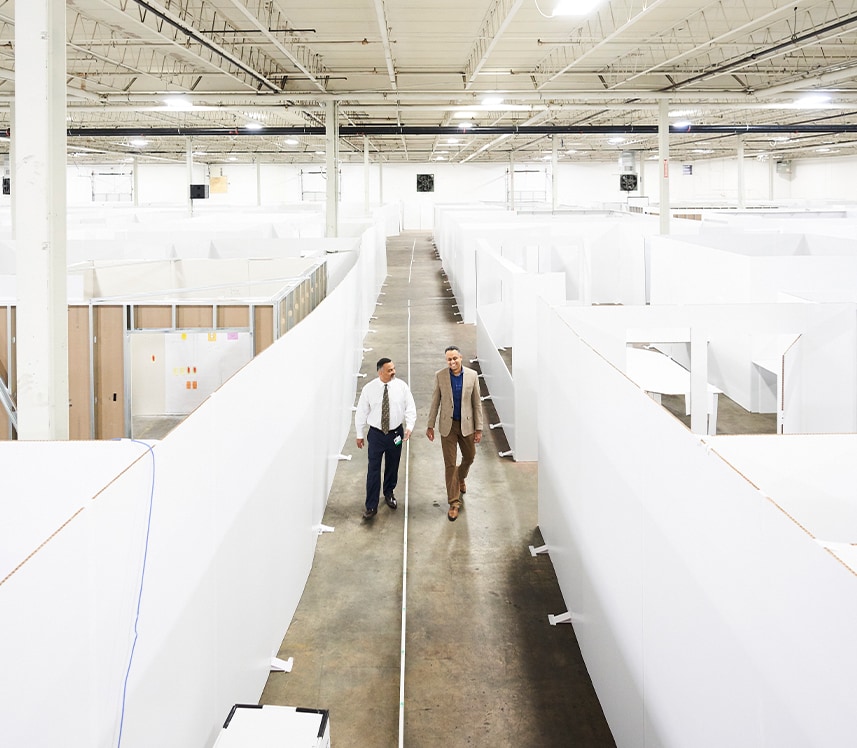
{"x": 456, "y": 396}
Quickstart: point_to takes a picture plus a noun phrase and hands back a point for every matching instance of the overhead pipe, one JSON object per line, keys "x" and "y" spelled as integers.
{"x": 401, "y": 130}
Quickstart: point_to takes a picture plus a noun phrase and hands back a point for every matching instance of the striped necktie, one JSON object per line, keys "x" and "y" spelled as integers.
{"x": 385, "y": 411}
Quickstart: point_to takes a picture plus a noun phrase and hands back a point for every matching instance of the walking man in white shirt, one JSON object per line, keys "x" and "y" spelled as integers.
{"x": 387, "y": 407}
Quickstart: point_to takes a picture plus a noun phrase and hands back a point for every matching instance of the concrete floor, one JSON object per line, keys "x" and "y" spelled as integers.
{"x": 483, "y": 667}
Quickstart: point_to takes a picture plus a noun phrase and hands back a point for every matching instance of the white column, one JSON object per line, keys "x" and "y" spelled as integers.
{"x": 189, "y": 162}
{"x": 366, "y": 194}
{"x": 135, "y": 184}
{"x": 40, "y": 184}
{"x": 511, "y": 180}
{"x": 380, "y": 181}
{"x": 771, "y": 171}
{"x": 331, "y": 135}
{"x": 554, "y": 173}
{"x": 664, "y": 165}
{"x": 258, "y": 181}
{"x": 12, "y": 159}
{"x": 741, "y": 200}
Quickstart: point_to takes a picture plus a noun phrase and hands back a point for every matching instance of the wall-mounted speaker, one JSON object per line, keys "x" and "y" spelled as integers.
{"x": 7, "y": 186}
{"x": 198, "y": 191}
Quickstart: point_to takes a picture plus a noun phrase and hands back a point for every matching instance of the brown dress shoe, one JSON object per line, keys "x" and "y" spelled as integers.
{"x": 462, "y": 488}
{"x": 452, "y": 514}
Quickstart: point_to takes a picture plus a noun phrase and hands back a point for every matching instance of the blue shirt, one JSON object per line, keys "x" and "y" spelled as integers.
{"x": 457, "y": 383}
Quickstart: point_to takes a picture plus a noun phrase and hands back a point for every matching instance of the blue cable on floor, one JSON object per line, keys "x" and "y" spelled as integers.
{"x": 140, "y": 591}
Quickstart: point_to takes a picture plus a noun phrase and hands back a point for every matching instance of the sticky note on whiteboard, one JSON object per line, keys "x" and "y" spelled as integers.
{"x": 232, "y": 336}
{"x": 212, "y": 336}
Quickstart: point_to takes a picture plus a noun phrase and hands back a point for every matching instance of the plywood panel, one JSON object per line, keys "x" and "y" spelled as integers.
{"x": 5, "y": 368}
{"x": 109, "y": 372}
{"x": 153, "y": 317}
{"x": 233, "y": 316}
{"x": 194, "y": 316}
{"x": 263, "y": 317}
{"x": 79, "y": 381}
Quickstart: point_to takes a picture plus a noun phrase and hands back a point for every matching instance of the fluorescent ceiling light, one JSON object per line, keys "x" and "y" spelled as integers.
{"x": 682, "y": 124}
{"x": 616, "y": 140}
{"x": 812, "y": 101}
{"x": 178, "y": 102}
{"x": 453, "y": 141}
{"x": 254, "y": 126}
{"x": 492, "y": 100}
{"x": 139, "y": 142}
{"x": 574, "y": 7}
{"x": 290, "y": 141}
{"x": 463, "y": 115}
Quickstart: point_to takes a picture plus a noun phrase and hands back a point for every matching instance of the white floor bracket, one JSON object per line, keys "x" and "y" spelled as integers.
{"x": 536, "y": 551}
{"x": 495, "y": 425}
{"x": 507, "y": 453}
{"x": 321, "y": 529}
{"x": 561, "y": 618}
{"x": 359, "y": 375}
{"x": 343, "y": 457}
{"x": 282, "y": 666}
{"x": 487, "y": 397}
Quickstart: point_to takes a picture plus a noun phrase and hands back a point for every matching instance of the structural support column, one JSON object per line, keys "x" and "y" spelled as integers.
{"x": 189, "y": 162}
{"x": 258, "y": 181}
{"x": 135, "y": 181}
{"x": 554, "y": 173}
{"x": 741, "y": 200}
{"x": 40, "y": 183}
{"x": 331, "y": 127}
{"x": 511, "y": 180}
{"x": 366, "y": 196}
{"x": 664, "y": 161}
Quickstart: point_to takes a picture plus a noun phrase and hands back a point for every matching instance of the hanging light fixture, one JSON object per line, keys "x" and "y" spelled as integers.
{"x": 574, "y": 7}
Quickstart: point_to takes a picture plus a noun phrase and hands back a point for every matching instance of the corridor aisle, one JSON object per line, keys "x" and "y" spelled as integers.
{"x": 483, "y": 665}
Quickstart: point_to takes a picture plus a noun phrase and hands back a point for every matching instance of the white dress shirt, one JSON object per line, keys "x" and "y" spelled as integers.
{"x": 402, "y": 406}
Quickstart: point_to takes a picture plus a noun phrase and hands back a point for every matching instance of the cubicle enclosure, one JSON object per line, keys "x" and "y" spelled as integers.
{"x": 748, "y": 267}
{"x": 154, "y": 338}
{"x": 601, "y": 253}
{"x": 159, "y": 642}
{"x": 707, "y": 603}
{"x": 798, "y": 360}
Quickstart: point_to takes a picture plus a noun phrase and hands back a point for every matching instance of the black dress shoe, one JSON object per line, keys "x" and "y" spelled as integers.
{"x": 390, "y": 501}
{"x": 369, "y": 513}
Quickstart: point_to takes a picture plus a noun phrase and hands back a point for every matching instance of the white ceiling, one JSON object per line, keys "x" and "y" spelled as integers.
{"x": 400, "y": 70}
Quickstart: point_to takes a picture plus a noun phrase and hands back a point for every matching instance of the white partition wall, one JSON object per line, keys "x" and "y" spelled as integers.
{"x": 506, "y": 320}
{"x": 707, "y": 616}
{"x": 747, "y": 267}
{"x": 171, "y": 589}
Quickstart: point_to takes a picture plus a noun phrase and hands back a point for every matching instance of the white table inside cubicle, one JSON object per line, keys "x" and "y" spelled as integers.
{"x": 656, "y": 373}
{"x": 269, "y": 726}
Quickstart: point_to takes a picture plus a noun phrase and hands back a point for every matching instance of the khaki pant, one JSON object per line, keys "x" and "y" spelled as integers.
{"x": 454, "y": 474}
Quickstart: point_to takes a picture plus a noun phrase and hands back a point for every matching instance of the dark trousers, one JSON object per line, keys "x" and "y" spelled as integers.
{"x": 382, "y": 445}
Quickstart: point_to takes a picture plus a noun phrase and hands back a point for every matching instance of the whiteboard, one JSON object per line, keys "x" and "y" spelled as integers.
{"x": 197, "y": 363}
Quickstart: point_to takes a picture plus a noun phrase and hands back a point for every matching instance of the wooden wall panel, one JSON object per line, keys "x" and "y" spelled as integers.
{"x": 233, "y": 316}
{"x": 194, "y": 316}
{"x": 264, "y": 332}
{"x": 153, "y": 317}
{"x": 109, "y": 372}
{"x": 79, "y": 383}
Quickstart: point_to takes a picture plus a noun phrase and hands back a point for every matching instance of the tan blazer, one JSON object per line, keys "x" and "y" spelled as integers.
{"x": 471, "y": 405}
